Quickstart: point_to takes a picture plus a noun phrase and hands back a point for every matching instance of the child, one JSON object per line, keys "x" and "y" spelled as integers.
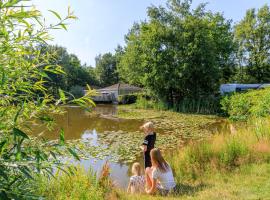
{"x": 148, "y": 143}
{"x": 137, "y": 181}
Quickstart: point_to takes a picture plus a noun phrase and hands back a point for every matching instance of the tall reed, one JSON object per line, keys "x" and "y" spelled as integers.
{"x": 224, "y": 152}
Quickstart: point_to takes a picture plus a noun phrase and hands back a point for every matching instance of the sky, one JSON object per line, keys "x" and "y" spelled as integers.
{"x": 102, "y": 24}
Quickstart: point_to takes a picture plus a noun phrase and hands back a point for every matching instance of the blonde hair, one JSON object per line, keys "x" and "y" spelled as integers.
{"x": 158, "y": 160}
{"x": 148, "y": 126}
{"x": 136, "y": 169}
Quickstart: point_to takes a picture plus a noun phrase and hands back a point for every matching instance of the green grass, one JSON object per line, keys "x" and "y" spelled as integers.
{"x": 247, "y": 182}
{"x": 81, "y": 185}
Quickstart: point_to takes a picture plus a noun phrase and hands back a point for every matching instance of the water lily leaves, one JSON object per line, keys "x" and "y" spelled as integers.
{"x": 173, "y": 130}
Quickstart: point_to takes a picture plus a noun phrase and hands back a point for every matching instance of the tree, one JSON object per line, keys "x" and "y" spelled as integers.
{"x": 252, "y": 35}
{"x": 178, "y": 52}
{"x": 74, "y": 73}
{"x": 24, "y": 70}
{"x": 106, "y": 69}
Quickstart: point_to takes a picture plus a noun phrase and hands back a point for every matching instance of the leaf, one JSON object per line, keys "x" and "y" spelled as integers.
{"x": 53, "y": 154}
{"x": 56, "y": 14}
{"x": 20, "y": 133}
{"x": 62, "y": 137}
{"x": 75, "y": 155}
{"x": 3, "y": 174}
{"x": 63, "y": 26}
{"x": 3, "y": 79}
{"x": 26, "y": 172}
{"x": 2, "y": 145}
{"x": 18, "y": 113}
{"x": 46, "y": 118}
{"x": 62, "y": 96}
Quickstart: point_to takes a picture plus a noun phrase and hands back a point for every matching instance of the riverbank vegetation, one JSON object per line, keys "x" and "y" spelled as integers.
{"x": 229, "y": 166}
{"x": 244, "y": 106}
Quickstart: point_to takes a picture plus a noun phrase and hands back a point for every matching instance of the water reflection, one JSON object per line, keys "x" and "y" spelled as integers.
{"x": 80, "y": 124}
{"x": 76, "y": 121}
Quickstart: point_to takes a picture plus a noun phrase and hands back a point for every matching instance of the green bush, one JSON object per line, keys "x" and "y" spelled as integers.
{"x": 77, "y": 91}
{"x": 242, "y": 106}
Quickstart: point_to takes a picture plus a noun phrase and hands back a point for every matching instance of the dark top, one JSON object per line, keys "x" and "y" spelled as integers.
{"x": 149, "y": 141}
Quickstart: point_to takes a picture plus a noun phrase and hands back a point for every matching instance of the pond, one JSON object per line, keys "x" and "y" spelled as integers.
{"x": 102, "y": 130}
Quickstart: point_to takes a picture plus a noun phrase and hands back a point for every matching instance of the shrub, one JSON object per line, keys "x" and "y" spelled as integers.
{"x": 25, "y": 100}
{"x": 242, "y": 106}
{"x": 77, "y": 91}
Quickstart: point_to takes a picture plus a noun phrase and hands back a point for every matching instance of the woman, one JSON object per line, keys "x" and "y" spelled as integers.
{"x": 159, "y": 177}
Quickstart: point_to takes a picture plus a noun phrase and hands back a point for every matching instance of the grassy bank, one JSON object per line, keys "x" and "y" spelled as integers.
{"x": 246, "y": 182}
{"x": 245, "y": 146}
{"x": 205, "y": 105}
{"x": 229, "y": 166}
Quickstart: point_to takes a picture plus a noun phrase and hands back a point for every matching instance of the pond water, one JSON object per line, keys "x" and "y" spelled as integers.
{"x": 80, "y": 124}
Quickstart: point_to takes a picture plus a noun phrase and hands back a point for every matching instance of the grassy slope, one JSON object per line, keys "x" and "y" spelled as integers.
{"x": 249, "y": 182}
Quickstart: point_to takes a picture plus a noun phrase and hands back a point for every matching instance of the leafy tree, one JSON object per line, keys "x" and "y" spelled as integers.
{"x": 92, "y": 77}
{"x": 25, "y": 100}
{"x": 178, "y": 52}
{"x": 106, "y": 69}
{"x": 74, "y": 73}
{"x": 252, "y": 35}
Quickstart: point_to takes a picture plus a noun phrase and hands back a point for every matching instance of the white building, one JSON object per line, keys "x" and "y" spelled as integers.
{"x": 228, "y": 88}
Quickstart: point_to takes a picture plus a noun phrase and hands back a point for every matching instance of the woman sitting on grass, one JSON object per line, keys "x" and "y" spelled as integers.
{"x": 159, "y": 178}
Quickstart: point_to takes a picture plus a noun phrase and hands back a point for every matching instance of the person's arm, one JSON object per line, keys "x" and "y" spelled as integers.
{"x": 128, "y": 189}
{"x": 144, "y": 148}
{"x": 144, "y": 144}
{"x": 152, "y": 190}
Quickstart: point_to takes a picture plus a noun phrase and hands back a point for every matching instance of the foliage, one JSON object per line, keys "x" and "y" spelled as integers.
{"x": 74, "y": 73}
{"x": 80, "y": 185}
{"x": 77, "y": 91}
{"x": 252, "y": 37}
{"x": 24, "y": 72}
{"x": 106, "y": 69}
{"x": 167, "y": 53}
{"x": 242, "y": 106}
{"x": 207, "y": 105}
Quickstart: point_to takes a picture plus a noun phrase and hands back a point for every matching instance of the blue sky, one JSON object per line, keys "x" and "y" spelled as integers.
{"x": 102, "y": 24}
